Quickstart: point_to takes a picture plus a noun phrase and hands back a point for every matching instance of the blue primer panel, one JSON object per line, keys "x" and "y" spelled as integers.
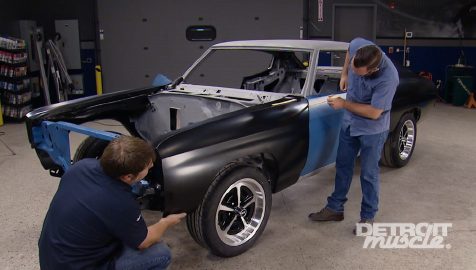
{"x": 324, "y": 128}
{"x": 53, "y": 138}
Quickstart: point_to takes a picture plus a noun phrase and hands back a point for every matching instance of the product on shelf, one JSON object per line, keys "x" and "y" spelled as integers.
{"x": 14, "y": 111}
{"x": 12, "y": 58}
{"x": 11, "y": 43}
{"x": 12, "y": 98}
{"x": 15, "y": 86}
{"x": 15, "y": 92}
{"x": 8, "y": 71}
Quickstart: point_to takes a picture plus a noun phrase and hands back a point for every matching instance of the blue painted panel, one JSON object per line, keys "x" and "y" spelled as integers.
{"x": 53, "y": 138}
{"x": 324, "y": 128}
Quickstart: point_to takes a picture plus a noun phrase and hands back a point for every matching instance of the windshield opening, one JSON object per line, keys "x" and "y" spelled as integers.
{"x": 259, "y": 70}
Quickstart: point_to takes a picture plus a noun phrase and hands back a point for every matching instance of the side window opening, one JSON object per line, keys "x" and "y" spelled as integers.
{"x": 287, "y": 74}
{"x": 328, "y": 72}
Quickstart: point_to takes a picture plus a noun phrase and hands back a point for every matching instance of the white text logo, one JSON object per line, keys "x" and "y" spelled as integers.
{"x": 404, "y": 235}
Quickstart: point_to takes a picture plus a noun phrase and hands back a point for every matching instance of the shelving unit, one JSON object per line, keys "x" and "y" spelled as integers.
{"x": 15, "y": 92}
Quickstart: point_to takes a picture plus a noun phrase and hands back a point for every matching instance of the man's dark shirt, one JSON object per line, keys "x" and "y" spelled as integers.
{"x": 90, "y": 217}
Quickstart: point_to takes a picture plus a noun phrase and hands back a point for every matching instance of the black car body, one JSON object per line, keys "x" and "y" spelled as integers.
{"x": 228, "y": 131}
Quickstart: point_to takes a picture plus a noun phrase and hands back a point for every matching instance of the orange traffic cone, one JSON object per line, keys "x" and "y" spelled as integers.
{"x": 470, "y": 103}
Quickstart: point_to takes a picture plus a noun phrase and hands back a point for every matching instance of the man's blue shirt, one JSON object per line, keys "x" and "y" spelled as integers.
{"x": 377, "y": 90}
{"x": 89, "y": 220}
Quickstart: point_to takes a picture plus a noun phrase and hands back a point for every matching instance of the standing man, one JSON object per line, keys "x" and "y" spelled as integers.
{"x": 370, "y": 79}
{"x": 94, "y": 220}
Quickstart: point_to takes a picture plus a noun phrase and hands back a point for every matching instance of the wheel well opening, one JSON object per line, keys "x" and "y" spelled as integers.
{"x": 416, "y": 113}
{"x": 84, "y": 146}
{"x": 266, "y": 163}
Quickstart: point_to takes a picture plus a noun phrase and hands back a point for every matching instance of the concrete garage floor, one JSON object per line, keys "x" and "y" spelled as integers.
{"x": 439, "y": 185}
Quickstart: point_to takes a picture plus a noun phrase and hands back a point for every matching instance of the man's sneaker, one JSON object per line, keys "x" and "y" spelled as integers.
{"x": 364, "y": 229}
{"x": 326, "y": 214}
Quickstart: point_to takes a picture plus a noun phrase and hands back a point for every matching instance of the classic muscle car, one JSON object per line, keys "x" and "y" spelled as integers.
{"x": 247, "y": 119}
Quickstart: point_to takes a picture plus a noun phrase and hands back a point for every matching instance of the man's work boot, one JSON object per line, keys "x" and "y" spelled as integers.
{"x": 326, "y": 214}
{"x": 364, "y": 229}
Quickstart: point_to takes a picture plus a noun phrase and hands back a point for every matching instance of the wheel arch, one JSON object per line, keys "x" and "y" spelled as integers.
{"x": 264, "y": 162}
{"x": 194, "y": 191}
{"x": 398, "y": 114}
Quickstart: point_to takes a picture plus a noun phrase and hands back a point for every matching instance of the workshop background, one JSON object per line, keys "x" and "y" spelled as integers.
{"x": 112, "y": 45}
{"x": 134, "y": 41}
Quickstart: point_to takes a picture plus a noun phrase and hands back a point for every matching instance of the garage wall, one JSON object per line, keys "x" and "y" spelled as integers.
{"x": 8, "y": 12}
{"x": 434, "y": 25}
{"x": 426, "y": 19}
{"x": 46, "y": 12}
{"x": 146, "y": 37}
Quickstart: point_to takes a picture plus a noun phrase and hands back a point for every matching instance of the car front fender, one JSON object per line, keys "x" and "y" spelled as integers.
{"x": 192, "y": 158}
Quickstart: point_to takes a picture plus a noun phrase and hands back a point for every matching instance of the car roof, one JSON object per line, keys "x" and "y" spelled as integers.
{"x": 327, "y": 45}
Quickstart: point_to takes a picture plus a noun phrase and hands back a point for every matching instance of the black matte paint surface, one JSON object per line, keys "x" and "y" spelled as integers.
{"x": 414, "y": 94}
{"x": 190, "y": 165}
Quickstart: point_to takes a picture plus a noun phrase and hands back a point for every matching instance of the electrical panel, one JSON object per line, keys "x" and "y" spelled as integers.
{"x": 67, "y": 40}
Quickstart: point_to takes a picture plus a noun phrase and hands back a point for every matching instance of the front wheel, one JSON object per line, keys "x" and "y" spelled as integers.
{"x": 234, "y": 212}
{"x": 399, "y": 147}
{"x": 91, "y": 147}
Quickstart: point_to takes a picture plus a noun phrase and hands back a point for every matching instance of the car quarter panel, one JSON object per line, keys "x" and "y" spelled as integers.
{"x": 193, "y": 157}
{"x": 414, "y": 94}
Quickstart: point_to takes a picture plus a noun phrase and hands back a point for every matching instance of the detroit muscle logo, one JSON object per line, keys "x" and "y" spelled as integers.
{"x": 404, "y": 235}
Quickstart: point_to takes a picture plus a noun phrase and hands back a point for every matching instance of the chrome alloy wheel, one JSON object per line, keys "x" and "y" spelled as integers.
{"x": 240, "y": 212}
{"x": 406, "y": 139}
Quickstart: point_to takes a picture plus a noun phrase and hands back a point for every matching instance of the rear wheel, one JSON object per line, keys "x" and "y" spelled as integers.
{"x": 399, "y": 147}
{"x": 234, "y": 212}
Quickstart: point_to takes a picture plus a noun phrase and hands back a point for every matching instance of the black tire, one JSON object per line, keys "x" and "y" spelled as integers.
{"x": 207, "y": 224}
{"x": 400, "y": 144}
{"x": 90, "y": 148}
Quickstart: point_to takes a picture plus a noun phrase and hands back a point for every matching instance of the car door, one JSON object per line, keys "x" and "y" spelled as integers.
{"x": 324, "y": 121}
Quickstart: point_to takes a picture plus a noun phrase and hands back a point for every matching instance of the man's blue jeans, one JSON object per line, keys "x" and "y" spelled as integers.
{"x": 370, "y": 147}
{"x": 155, "y": 257}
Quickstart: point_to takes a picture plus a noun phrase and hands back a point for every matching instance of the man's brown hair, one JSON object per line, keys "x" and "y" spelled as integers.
{"x": 368, "y": 56}
{"x": 126, "y": 155}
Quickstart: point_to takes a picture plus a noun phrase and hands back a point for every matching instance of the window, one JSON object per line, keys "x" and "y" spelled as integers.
{"x": 331, "y": 58}
{"x": 201, "y": 33}
{"x": 328, "y": 72}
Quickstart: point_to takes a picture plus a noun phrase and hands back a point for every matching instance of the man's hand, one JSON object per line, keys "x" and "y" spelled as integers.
{"x": 155, "y": 232}
{"x": 343, "y": 83}
{"x": 336, "y": 102}
{"x": 365, "y": 110}
{"x": 173, "y": 219}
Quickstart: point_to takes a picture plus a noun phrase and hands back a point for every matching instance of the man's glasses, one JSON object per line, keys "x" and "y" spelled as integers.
{"x": 372, "y": 71}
